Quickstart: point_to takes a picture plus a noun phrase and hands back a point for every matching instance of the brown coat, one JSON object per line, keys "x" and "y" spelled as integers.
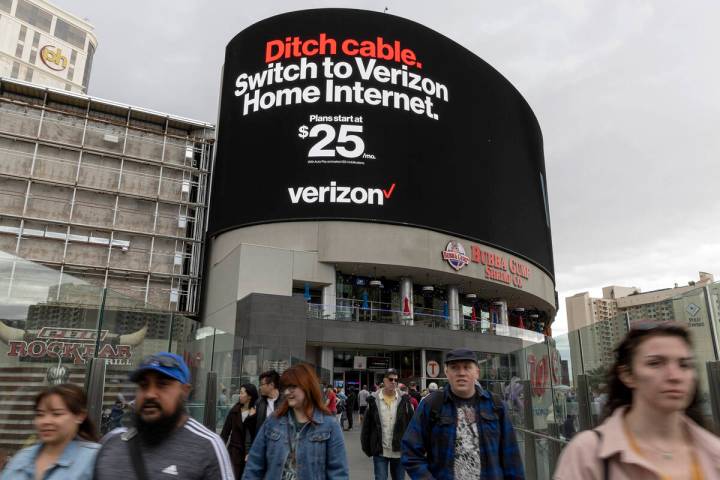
{"x": 583, "y": 457}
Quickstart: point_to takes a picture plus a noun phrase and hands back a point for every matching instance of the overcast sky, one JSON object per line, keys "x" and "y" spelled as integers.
{"x": 627, "y": 94}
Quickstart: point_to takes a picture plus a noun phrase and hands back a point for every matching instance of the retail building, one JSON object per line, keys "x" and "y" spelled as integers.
{"x": 364, "y": 219}
{"x": 43, "y": 44}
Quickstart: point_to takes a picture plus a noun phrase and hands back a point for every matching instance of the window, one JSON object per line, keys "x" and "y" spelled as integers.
{"x": 34, "y": 48}
{"x": 71, "y": 69}
{"x": 33, "y": 15}
{"x": 5, "y": 5}
{"x": 15, "y": 70}
{"x": 70, "y": 33}
{"x": 21, "y": 42}
{"x": 28, "y": 74}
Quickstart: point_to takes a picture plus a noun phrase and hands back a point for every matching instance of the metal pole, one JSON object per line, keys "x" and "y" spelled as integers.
{"x": 584, "y": 403}
{"x": 713, "y": 373}
{"x": 529, "y": 420}
{"x": 95, "y": 388}
{"x": 100, "y": 318}
{"x": 210, "y": 417}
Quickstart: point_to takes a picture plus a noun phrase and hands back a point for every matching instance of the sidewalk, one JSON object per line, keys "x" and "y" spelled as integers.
{"x": 361, "y": 466}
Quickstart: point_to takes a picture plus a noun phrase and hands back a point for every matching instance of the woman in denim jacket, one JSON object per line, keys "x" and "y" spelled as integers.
{"x": 66, "y": 449}
{"x": 301, "y": 440}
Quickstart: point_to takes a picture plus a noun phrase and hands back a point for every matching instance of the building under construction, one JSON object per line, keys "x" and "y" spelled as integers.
{"x": 107, "y": 193}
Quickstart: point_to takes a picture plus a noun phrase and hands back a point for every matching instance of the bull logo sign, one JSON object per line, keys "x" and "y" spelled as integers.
{"x": 76, "y": 344}
{"x": 53, "y": 59}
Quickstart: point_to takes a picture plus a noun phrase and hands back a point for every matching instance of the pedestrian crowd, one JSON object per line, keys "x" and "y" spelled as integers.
{"x": 290, "y": 427}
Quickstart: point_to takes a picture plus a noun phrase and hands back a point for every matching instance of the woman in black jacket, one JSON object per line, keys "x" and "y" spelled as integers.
{"x": 240, "y": 427}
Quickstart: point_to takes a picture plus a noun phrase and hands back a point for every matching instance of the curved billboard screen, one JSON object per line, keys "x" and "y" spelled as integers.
{"x": 339, "y": 114}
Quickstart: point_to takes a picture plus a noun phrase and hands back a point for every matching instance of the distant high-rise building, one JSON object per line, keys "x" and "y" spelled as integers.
{"x": 44, "y": 44}
{"x": 603, "y": 322}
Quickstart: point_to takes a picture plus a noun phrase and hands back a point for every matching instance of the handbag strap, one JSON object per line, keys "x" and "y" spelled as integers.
{"x": 606, "y": 461}
{"x": 136, "y": 457}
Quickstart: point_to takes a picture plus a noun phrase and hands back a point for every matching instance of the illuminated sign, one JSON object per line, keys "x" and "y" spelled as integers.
{"x": 336, "y": 106}
{"x": 53, "y": 59}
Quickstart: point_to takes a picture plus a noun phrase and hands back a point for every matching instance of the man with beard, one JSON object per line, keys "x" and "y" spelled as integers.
{"x": 164, "y": 442}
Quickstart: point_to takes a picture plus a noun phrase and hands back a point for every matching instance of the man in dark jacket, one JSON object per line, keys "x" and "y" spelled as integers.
{"x": 350, "y": 406}
{"x": 270, "y": 397}
{"x": 387, "y": 417}
{"x": 461, "y": 431}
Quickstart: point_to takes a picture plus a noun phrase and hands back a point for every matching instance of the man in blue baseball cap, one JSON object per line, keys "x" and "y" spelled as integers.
{"x": 164, "y": 441}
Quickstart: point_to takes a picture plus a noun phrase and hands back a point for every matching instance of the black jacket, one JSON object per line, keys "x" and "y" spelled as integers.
{"x": 371, "y": 435}
{"x": 261, "y": 409}
{"x": 241, "y": 435}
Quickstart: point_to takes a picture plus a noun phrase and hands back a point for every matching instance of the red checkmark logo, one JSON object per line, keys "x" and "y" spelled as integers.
{"x": 388, "y": 193}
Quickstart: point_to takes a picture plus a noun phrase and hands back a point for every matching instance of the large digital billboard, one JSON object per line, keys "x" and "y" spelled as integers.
{"x": 340, "y": 114}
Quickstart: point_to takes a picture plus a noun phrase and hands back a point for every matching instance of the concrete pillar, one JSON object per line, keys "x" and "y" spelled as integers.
{"x": 453, "y": 307}
{"x": 423, "y": 378}
{"x": 406, "y": 295}
{"x": 327, "y": 362}
{"x": 328, "y": 301}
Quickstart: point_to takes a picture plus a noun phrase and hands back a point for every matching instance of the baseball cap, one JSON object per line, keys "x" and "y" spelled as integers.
{"x": 433, "y": 386}
{"x": 168, "y": 364}
{"x": 460, "y": 354}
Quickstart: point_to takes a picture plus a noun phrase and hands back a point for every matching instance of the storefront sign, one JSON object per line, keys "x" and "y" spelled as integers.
{"x": 432, "y": 369}
{"x": 498, "y": 267}
{"x": 378, "y": 363}
{"x": 53, "y": 58}
{"x": 76, "y": 344}
{"x": 371, "y": 117}
{"x": 454, "y": 254}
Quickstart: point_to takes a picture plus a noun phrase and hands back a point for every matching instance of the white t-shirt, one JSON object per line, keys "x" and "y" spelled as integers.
{"x": 270, "y": 405}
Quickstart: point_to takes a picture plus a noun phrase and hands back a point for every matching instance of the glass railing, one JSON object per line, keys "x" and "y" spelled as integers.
{"x": 354, "y": 310}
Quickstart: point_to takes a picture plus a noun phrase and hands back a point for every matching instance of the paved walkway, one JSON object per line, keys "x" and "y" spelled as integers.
{"x": 361, "y": 466}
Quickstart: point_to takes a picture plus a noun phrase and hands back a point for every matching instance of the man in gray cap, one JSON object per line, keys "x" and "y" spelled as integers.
{"x": 461, "y": 432}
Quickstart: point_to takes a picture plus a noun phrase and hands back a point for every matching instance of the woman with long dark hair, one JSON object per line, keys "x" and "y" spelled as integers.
{"x": 301, "y": 440}
{"x": 652, "y": 428}
{"x": 238, "y": 433}
{"x": 67, "y": 445}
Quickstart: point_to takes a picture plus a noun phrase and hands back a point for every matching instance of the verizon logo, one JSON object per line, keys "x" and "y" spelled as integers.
{"x": 339, "y": 194}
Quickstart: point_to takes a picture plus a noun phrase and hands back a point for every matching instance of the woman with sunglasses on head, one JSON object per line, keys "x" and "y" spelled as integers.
{"x": 652, "y": 427}
{"x": 66, "y": 447}
{"x": 239, "y": 427}
{"x": 301, "y": 440}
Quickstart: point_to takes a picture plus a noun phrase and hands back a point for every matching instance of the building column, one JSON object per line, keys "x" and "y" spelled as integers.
{"x": 453, "y": 307}
{"x": 329, "y": 300}
{"x": 327, "y": 362}
{"x": 406, "y": 299}
{"x": 502, "y": 312}
{"x": 423, "y": 377}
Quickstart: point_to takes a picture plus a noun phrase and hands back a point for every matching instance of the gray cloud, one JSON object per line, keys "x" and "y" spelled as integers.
{"x": 625, "y": 92}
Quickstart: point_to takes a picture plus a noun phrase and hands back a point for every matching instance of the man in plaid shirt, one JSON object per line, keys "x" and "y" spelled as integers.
{"x": 461, "y": 432}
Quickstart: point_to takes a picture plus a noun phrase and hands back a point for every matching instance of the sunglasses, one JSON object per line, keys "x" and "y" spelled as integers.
{"x": 155, "y": 361}
{"x": 392, "y": 379}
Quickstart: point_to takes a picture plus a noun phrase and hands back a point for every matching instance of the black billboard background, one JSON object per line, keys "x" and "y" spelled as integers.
{"x": 475, "y": 172}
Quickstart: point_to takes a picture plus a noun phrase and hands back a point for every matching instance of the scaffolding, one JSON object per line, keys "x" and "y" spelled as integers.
{"x": 111, "y": 194}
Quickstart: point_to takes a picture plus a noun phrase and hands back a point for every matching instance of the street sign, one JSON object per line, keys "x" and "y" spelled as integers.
{"x": 378, "y": 363}
{"x": 432, "y": 369}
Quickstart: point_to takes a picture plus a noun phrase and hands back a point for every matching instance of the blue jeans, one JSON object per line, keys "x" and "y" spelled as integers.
{"x": 380, "y": 464}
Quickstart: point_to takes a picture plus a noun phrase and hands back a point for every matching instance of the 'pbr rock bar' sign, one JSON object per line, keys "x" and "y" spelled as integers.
{"x": 340, "y": 114}
{"x": 76, "y": 344}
